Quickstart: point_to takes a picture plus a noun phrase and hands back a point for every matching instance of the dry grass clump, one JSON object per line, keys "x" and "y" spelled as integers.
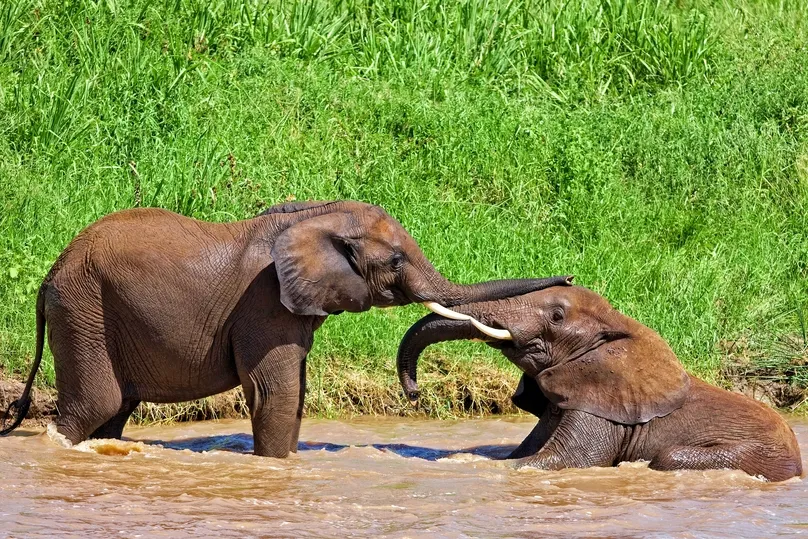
{"x": 451, "y": 386}
{"x": 227, "y": 405}
{"x": 776, "y": 373}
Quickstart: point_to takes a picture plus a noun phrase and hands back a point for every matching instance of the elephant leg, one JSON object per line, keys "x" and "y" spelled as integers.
{"x": 82, "y": 411}
{"x": 539, "y": 435}
{"x": 752, "y": 458}
{"x": 113, "y": 428}
{"x": 696, "y": 458}
{"x": 273, "y": 393}
{"x": 89, "y": 394}
{"x": 580, "y": 440}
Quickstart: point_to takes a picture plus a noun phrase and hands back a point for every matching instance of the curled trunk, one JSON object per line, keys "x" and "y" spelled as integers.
{"x": 428, "y": 330}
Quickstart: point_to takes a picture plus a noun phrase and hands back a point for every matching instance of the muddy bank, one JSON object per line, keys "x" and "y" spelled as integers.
{"x": 43, "y": 402}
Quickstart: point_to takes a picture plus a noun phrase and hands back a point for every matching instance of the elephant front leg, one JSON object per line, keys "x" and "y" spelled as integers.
{"x": 301, "y": 401}
{"x": 542, "y": 432}
{"x": 579, "y": 440}
{"x": 274, "y": 392}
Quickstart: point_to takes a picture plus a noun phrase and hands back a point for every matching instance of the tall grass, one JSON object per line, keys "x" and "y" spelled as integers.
{"x": 657, "y": 150}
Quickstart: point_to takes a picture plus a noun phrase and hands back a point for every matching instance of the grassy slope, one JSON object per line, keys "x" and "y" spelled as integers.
{"x": 661, "y": 155}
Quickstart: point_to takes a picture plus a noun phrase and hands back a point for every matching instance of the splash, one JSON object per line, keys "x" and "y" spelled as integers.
{"x": 111, "y": 447}
{"x": 56, "y": 437}
{"x": 102, "y": 447}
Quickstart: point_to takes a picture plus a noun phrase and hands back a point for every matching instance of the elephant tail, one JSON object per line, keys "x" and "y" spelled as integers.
{"x": 21, "y": 405}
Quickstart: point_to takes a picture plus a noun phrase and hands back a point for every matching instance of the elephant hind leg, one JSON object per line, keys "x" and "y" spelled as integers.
{"x": 753, "y": 458}
{"x": 113, "y": 428}
{"x": 89, "y": 393}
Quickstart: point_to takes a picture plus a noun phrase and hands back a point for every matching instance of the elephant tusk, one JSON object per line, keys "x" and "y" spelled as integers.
{"x": 502, "y": 334}
{"x": 437, "y": 308}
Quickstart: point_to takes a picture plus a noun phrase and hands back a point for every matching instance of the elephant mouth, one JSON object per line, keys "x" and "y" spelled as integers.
{"x": 503, "y": 346}
{"x": 391, "y": 297}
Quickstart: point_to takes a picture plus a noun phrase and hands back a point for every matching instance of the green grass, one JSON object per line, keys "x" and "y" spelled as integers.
{"x": 658, "y": 151}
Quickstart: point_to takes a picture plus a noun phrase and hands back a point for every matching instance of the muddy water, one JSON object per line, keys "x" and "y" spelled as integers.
{"x": 366, "y": 477}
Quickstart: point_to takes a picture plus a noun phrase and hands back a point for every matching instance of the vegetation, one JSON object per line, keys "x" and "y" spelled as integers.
{"x": 656, "y": 150}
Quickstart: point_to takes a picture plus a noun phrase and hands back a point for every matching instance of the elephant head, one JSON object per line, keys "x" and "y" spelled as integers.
{"x": 575, "y": 349}
{"x": 350, "y": 256}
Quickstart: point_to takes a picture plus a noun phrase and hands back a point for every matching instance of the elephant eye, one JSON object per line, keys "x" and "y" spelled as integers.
{"x": 397, "y": 260}
{"x": 557, "y": 315}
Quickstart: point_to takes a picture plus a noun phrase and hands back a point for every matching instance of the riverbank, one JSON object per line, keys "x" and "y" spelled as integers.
{"x": 450, "y": 387}
{"x": 449, "y": 390}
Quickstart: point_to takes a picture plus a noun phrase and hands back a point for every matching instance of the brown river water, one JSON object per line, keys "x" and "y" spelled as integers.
{"x": 366, "y": 478}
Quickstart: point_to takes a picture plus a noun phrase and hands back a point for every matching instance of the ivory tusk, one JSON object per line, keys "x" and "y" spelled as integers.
{"x": 502, "y": 334}
{"x": 437, "y": 308}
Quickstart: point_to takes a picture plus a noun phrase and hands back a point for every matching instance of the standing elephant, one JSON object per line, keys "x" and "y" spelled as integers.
{"x": 608, "y": 389}
{"x": 148, "y": 305}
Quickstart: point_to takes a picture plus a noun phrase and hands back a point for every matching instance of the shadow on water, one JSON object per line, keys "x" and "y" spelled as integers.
{"x": 243, "y": 443}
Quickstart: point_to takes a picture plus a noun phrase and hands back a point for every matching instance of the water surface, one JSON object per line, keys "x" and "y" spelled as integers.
{"x": 367, "y": 477}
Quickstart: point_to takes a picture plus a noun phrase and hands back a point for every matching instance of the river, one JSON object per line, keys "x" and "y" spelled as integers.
{"x": 367, "y": 477}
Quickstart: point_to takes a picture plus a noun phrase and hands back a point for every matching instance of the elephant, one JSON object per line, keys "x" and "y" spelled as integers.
{"x": 608, "y": 389}
{"x": 148, "y": 305}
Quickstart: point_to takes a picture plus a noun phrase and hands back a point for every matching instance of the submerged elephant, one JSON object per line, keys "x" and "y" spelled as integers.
{"x": 148, "y": 305}
{"x": 608, "y": 389}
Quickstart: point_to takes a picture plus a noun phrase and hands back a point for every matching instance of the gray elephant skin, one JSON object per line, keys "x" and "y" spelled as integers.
{"x": 608, "y": 389}
{"x": 148, "y": 305}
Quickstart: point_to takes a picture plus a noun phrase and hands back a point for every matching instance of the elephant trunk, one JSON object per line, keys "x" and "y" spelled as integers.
{"x": 427, "y": 284}
{"x": 500, "y": 289}
{"x": 428, "y": 330}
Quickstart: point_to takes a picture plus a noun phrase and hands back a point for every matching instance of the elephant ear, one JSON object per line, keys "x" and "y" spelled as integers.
{"x": 627, "y": 381}
{"x": 528, "y": 396}
{"x": 316, "y": 264}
